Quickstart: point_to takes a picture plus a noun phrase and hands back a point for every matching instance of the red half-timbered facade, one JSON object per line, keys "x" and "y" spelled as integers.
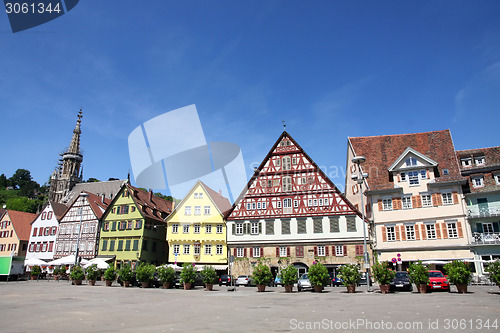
{"x": 291, "y": 212}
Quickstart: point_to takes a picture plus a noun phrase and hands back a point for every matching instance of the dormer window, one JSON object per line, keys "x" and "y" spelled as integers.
{"x": 413, "y": 177}
{"x": 411, "y": 161}
{"x": 478, "y": 181}
{"x": 466, "y": 162}
{"x": 446, "y": 172}
{"x": 479, "y": 160}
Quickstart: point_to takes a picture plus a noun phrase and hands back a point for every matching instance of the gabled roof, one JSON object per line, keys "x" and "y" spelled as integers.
{"x": 58, "y": 208}
{"x": 107, "y": 188}
{"x": 414, "y": 152}
{"x": 96, "y": 203}
{"x": 302, "y": 151}
{"x": 382, "y": 151}
{"x": 149, "y": 204}
{"x": 21, "y": 222}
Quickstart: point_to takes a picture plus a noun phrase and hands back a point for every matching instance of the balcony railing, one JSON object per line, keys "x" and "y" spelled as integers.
{"x": 484, "y": 212}
{"x": 479, "y": 238}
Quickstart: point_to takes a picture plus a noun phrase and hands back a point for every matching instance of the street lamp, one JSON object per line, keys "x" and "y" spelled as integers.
{"x": 360, "y": 178}
{"x": 83, "y": 197}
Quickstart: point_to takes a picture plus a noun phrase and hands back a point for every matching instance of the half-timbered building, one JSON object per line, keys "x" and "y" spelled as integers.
{"x": 291, "y": 213}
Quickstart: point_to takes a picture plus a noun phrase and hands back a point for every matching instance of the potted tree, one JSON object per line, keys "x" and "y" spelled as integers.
{"x": 262, "y": 276}
{"x": 145, "y": 273}
{"x": 419, "y": 275}
{"x": 109, "y": 276}
{"x": 459, "y": 274}
{"x": 92, "y": 272}
{"x": 166, "y": 276}
{"x": 289, "y": 276}
{"x": 318, "y": 276}
{"x": 56, "y": 273}
{"x": 383, "y": 275}
{"x": 35, "y": 272}
{"x": 77, "y": 275}
{"x": 188, "y": 275}
{"x": 494, "y": 270}
{"x": 349, "y": 273}
{"x": 208, "y": 275}
{"x": 125, "y": 275}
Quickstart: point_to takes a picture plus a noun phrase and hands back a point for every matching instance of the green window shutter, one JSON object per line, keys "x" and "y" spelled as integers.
{"x": 260, "y": 227}
{"x": 104, "y": 245}
{"x": 127, "y": 245}
{"x": 120, "y": 245}
{"x": 234, "y": 228}
{"x": 113, "y": 226}
{"x": 136, "y": 245}
{"x": 495, "y": 227}
{"x": 112, "y": 245}
{"x": 479, "y": 227}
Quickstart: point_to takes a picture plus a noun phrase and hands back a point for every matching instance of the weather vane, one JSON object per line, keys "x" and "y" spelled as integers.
{"x": 284, "y": 125}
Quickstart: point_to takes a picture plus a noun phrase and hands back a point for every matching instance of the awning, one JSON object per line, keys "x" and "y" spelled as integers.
{"x": 216, "y": 267}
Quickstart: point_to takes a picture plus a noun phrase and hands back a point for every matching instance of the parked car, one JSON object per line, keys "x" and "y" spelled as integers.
{"x": 401, "y": 282}
{"x": 362, "y": 280}
{"x": 437, "y": 281}
{"x": 336, "y": 282}
{"x": 243, "y": 280}
{"x": 304, "y": 282}
{"x": 197, "y": 282}
{"x": 226, "y": 280}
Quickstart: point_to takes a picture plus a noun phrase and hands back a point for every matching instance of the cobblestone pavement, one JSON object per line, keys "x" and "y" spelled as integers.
{"x": 58, "y": 306}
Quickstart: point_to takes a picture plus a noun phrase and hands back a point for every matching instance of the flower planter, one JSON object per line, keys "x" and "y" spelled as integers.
{"x": 77, "y": 282}
{"x": 422, "y": 288}
{"x": 209, "y": 287}
{"x": 109, "y": 283}
{"x": 166, "y": 285}
{"x": 91, "y": 282}
{"x": 288, "y": 288}
{"x": 351, "y": 288}
{"x": 145, "y": 284}
{"x": 126, "y": 284}
{"x": 318, "y": 289}
{"x": 385, "y": 288}
{"x": 261, "y": 288}
{"x": 462, "y": 288}
{"x": 187, "y": 286}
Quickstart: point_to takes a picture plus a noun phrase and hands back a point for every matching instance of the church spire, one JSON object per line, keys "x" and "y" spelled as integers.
{"x": 74, "y": 147}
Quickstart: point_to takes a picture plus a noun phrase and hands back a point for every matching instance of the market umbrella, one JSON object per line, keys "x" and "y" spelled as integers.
{"x": 68, "y": 260}
{"x": 101, "y": 264}
{"x": 35, "y": 261}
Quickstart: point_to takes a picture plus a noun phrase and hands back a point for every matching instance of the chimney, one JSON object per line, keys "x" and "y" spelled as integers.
{"x": 220, "y": 194}
{"x": 103, "y": 197}
{"x": 150, "y": 195}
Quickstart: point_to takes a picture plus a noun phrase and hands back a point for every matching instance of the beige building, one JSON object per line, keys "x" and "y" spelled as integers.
{"x": 414, "y": 197}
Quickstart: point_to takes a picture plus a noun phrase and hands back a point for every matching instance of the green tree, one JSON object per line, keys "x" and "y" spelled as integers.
{"x": 4, "y": 182}
{"x": 23, "y": 204}
{"x": 93, "y": 180}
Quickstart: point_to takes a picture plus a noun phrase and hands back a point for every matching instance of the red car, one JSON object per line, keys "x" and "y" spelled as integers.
{"x": 437, "y": 281}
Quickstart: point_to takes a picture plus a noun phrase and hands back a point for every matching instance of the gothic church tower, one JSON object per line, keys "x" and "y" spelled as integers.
{"x": 68, "y": 172}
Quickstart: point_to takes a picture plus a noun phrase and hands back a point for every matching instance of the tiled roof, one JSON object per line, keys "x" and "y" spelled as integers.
{"x": 58, "y": 209}
{"x": 152, "y": 208}
{"x": 107, "y": 188}
{"x": 382, "y": 151}
{"x": 97, "y": 204}
{"x": 221, "y": 202}
{"x": 491, "y": 163}
{"x": 21, "y": 222}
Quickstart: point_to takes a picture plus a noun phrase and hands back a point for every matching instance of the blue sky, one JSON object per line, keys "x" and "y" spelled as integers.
{"x": 330, "y": 69}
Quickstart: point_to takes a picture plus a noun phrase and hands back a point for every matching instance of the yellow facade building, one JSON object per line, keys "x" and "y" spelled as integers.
{"x": 196, "y": 230}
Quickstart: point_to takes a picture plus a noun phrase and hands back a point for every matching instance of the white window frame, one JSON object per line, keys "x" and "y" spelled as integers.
{"x": 477, "y": 181}
{"x": 406, "y": 202}
{"x": 447, "y": 198}
{"x": 219, "y": 229}
{"x": 390, "y": 232}
{"x": 490, "y": 227}
{"x": 287, "y": 184}
{"x": 425, "y": 202}
{"x": 186, "y": 249}
{"x": 207, "y": 210}
{"x": 208, "y": 228}
{"x": 287, "y": 203}
{"x": 466, "y": 162}
{"x": 219, "y": 249}
{"x": 497, "y": 178}
{"x": 479, "y": 160}
{"x": 430, "y": 230}
{"x": 187, "y": 210}
{"x": 254, "y": 228}
{"x": 240, "y": 252}
{"x": 185, "y": 228}
{"x": 283, "y": 251}
{"x": 452, "y": 229}
{"x": 413, "y": 178}
{"x": 287, "y": 163}
{"x": 411, "y": 161}
{"x": 256, "y": 251}
{"x": 176, "y": 249}
{"x": 321, "y": 251}
{"x": 175, "y": 228}
{"x": 410, "y": 231}
{"x": 196, "y": 249}
{"x": 339, "y": 250}
{"x": 196, "y": 228}
{"x": 238, "y": 228}
{"x": 387, "y": 204}
{"x": 197, "y": 210}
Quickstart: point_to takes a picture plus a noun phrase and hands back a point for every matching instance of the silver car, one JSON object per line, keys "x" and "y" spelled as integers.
{"x": 304, "y": 283}
{"x": 243, "y": 280}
